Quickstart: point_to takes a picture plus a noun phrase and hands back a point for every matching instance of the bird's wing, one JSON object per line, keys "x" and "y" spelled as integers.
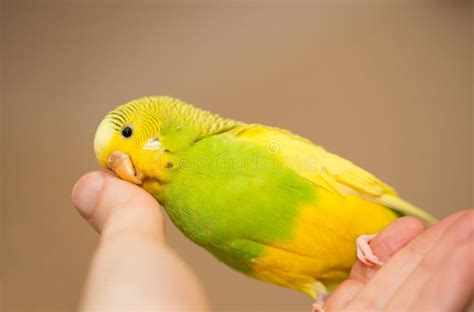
{"x": 313, "y": 162}
{"x": 327, "y": 170}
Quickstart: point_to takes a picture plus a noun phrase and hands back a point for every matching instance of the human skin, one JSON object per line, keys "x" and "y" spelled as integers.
{"x": 134, "y": 269}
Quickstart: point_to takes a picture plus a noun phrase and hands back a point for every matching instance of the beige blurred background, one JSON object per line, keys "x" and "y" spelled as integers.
{"x": 386, "y": 84}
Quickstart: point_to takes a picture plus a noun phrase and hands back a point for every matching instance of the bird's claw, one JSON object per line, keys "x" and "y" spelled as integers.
{"x": 365, "y": 253}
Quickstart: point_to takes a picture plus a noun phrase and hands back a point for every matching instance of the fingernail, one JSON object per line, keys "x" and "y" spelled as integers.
{"x": 86, "y": 193}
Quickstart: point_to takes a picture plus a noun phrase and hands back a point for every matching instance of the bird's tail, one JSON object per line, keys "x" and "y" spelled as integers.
{"x": 396, "y": 203}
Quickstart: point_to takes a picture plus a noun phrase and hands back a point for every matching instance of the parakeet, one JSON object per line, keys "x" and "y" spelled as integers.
{"x": 266, "y": 202}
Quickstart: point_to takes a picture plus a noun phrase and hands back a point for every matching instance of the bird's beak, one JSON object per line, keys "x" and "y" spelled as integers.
{"x": 122, "y": 166}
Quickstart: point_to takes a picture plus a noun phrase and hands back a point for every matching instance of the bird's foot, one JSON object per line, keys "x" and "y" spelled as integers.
{"x": 364, "y": 252}
{"x": 318, "y": 305}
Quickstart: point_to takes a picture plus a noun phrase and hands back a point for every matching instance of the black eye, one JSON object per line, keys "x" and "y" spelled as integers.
{"x": 127, "y": 132}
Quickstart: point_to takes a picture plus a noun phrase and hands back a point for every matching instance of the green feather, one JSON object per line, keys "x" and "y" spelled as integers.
{"x": 229, "y": 196}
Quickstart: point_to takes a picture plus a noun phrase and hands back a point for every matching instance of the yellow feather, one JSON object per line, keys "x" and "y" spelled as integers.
{"x": 351, "y": 202}
{"x": 323, "y": 247}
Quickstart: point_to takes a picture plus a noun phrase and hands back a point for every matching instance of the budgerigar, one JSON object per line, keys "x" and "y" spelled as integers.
{"x": 266, "y": 202}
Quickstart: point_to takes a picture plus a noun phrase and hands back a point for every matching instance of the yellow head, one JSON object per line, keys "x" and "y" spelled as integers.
{"x": 138, "y": 140}
{"x": 126, "y": 135}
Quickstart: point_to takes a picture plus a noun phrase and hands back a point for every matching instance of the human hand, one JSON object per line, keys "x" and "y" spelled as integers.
{"x": 132, "y": 269}
{"x": 425, "y": 270}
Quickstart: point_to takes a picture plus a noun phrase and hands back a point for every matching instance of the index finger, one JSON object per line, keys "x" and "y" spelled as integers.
{"x": 386, "y": 243}
{"x": 389, "y": 241}
{"x": 389, "y": 278}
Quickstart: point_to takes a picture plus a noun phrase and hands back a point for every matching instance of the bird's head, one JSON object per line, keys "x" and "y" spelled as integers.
{"x": 136, "y": 139}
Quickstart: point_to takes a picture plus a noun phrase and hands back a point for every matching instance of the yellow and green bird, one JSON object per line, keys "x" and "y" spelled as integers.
{"x": 266, "y": 202}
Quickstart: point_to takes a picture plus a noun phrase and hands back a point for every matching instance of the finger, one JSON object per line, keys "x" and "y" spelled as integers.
{"x": 113, "y": 207}
{"x": 384, "y": 245}
{"x": 342, "y": 295}
{"x": 389, "y": 241}
{"x": 132, "y": 269}
{"x": 450, "y": 290}
{"x": 389, "y": 278}
{"x": 438, "y": 263}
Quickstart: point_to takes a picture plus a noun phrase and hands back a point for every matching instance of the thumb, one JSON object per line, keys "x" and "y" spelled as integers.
{"x": 114, "y": 207}
{"x": 132, "y": 269}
